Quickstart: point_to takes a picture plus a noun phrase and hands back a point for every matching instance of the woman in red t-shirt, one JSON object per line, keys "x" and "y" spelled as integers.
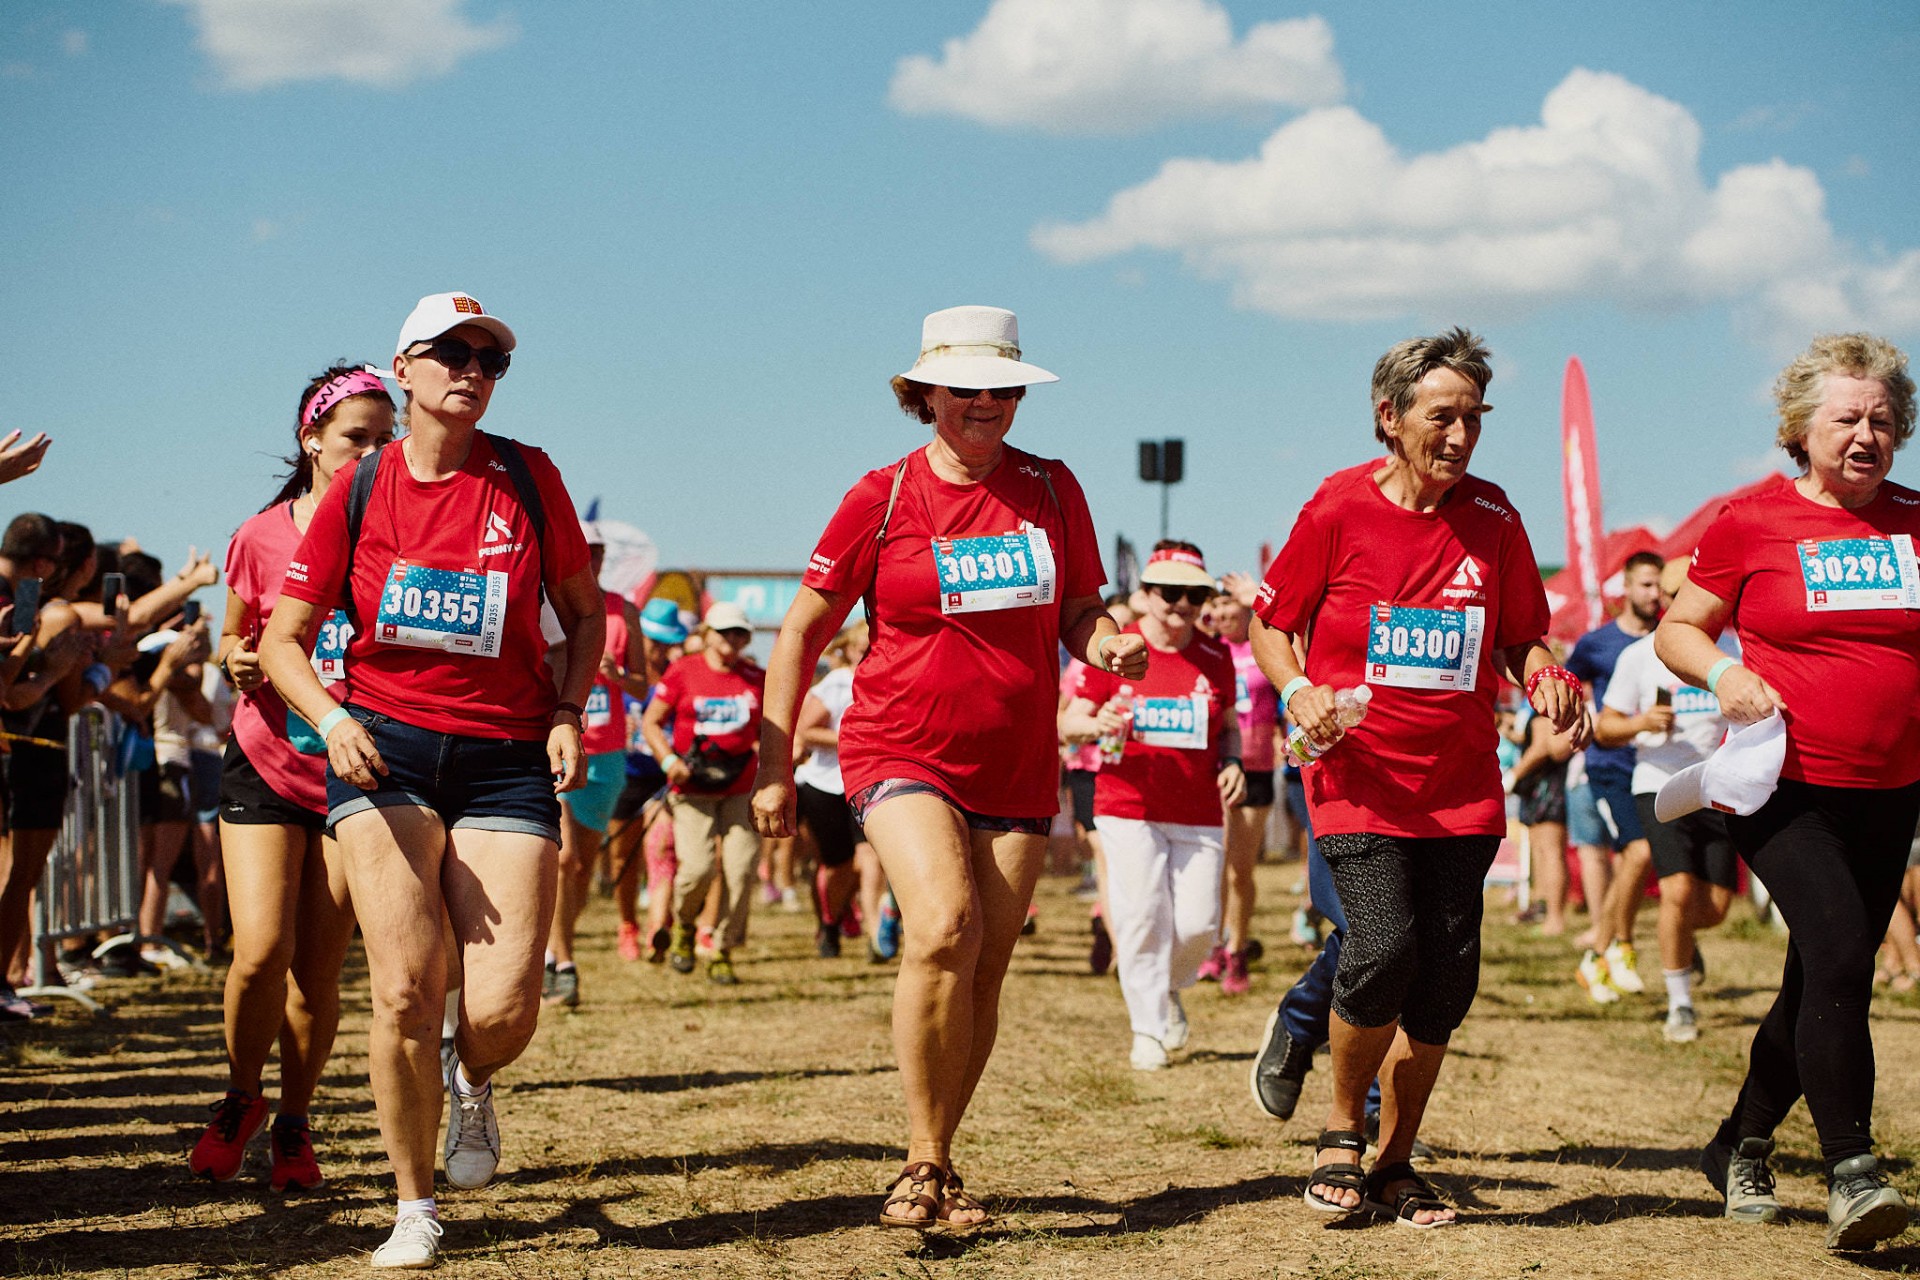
{"x": 977, "y": 561}
{"x": 281, "y": 871}
{"x": 1415, "y": 578}
{"x": 444, "y": 767}
{"x": 713, "y": 698}
{"x": 1818, "y": 577}
{"x": 1160, "y": 807}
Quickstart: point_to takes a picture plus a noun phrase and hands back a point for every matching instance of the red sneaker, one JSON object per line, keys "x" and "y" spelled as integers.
{"x": 629, "y": 941}
{"x": 1233, "y": 974}
{"x": 294, "y": 1167}
{"x": 222, "y": 1149}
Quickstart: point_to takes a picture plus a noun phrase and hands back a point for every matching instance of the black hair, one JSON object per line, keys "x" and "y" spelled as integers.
{"x": 30, "y": 535}
{"x": 76, "y": 544}
{"x": 143, "y": 572}
{"x": 300, "y": 477}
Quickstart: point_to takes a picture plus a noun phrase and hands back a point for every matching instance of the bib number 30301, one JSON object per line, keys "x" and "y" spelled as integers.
{"x": 1859, "y": 573}
{"x": 452, "y": 610}
{"x": 997, "y": 571}
{"x": 1421, "y": 647}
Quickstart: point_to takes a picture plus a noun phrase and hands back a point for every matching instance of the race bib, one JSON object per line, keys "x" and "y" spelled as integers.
{"x": 599, "y": 709}
{"x": 330, "y": 648}
{"x": 1690, "y": 703}
{"x": 713, "y": 717}
{"x": 452, "y": 610}
{"x": 1422, "y": 647}
{"x": 997, "y": 571}
{"x": 1859, "y": 573}
{"x": 1171, "y": 722}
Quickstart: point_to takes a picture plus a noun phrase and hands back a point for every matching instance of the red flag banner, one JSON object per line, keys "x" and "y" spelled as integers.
{"x": 1580, "y": 485}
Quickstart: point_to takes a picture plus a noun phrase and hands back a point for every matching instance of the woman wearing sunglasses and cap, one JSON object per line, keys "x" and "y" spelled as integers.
{"x": 1160, "y": 798}
{"x": 445, "y": 764}
{"x": 977, "y": 561}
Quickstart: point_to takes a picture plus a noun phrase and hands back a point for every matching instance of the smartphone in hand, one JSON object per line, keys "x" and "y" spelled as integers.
{"x": 189, "y": 613}
{"x": 26, "y": 606}
{"x": 112, "y": 587}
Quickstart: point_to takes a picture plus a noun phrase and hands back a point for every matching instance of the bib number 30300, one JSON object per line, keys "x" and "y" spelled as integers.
{"x": 452, "y": 610}
{"x": 1420, "y": 647}
{"x": 1859, "y": 573}
{"x": 997, "y": 571}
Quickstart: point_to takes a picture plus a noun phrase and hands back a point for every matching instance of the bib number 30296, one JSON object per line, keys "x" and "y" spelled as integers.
{"x": 997, "y": 571}
{"x": 1420, "y": 647}
{"x": 452, "y": 610}
{"x": 1859, "y": 573}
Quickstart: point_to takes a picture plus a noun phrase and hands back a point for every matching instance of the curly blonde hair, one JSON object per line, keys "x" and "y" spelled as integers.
{"x": 1801, "y": 387}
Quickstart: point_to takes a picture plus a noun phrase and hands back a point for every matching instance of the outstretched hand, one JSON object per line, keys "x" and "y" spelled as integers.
{"x": 19, "y": 458}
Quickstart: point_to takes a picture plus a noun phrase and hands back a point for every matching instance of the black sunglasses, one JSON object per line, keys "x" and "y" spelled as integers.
{"x": 1174, "y": 595}
{"x": 998, "y": 393}
{"x": 455, "y": 352}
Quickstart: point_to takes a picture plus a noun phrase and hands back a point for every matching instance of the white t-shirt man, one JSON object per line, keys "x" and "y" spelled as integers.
{"x": 1698, "y": 725}
{"x": 821, "y": 769}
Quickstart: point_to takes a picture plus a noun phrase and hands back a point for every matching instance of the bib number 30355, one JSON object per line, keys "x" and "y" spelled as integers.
{"x": 452, "y": 610}
{"x": 996, "y": 571}
{"x": 1859, "y": 573}
{"x": 1421, "y": 647}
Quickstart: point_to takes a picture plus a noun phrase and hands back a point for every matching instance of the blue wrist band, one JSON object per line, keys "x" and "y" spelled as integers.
{"x": 1714, "y": 673}
{"x": 329, "y": 720}
{"x": 1293, "y": 686}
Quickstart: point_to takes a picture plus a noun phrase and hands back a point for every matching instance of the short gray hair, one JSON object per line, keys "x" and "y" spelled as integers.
{"x": 1801, "y": 387}
{"x": 1400, "y": 370}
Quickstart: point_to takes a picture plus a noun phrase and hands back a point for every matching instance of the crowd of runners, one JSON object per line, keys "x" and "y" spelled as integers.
{"x": 420, "y": 715}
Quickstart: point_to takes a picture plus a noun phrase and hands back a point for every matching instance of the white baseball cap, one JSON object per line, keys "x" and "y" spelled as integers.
{"x": 972, "y": 348}
{"x": 725, "y": 615}
{"x": 436, "y": 313}
{"x": 1738, "y": 778}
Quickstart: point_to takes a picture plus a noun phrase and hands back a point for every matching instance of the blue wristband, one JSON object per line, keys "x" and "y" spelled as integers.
{"x": 1714, "y": 673}
{"x": 1293, "y": 686}
{"x": 329, "y": 720}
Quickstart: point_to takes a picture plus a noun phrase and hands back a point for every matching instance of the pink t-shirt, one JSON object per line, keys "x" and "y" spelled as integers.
{"x": 1086, "y": 757}
{"x": 256, "y": 566}
{"x": 1257, "y": 703}
{"x": 603, "y": 727}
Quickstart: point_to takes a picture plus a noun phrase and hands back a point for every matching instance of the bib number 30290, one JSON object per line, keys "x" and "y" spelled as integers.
{"x": 1420, "y": 647}
{"x": 452, "y": 610}
{"x": 997, "y": 571}
{"x": 1859, "y": 573}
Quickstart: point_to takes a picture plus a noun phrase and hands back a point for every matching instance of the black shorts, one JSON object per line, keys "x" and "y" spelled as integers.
{"x": 166, "y": 794}
{"x": 830, "y": 818}
{"x": 1696, "y": 843}
{"x": 37, "y": 782}
{"x": 1080, "y": 784}
{"x": 633, "y": 797}
{"x": 1259, "y": 789}
{"x": 247, "y": 800}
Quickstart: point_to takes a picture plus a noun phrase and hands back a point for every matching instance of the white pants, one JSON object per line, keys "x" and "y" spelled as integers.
{"x": 1163, "y": 909}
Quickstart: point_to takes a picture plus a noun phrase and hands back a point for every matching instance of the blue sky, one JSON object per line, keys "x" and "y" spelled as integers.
{"x": 716, "y": 228}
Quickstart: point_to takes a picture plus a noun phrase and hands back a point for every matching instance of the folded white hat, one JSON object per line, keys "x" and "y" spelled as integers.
{"x": 1738, "y": 778}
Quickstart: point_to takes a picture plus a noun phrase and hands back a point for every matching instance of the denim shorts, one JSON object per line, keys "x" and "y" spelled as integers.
{"x": 1615, "y": 827}
{"x": 482, "y": 784}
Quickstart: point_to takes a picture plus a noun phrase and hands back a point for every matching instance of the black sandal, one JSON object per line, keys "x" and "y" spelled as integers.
{"x": 1345, "y": 1176}
{"x": 1417, "y": 1196}
{"x": 925, "y": 1185}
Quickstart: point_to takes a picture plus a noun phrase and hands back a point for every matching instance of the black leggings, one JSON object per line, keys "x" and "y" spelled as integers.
{"x": 1833, "y": 859}
{"x": 1412, "y": 951}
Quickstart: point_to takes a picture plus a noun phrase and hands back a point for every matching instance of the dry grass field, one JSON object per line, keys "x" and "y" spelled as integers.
{"x": 670, "y": 1128}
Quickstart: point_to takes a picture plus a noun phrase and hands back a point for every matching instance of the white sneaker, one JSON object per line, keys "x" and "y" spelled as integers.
{"x": 414, "y": 1244}
{"x": 473, "y": 1136}
{"x": 1592, "y": 975}
{"x": 164, "y": 957}
{"x": 1622, "y": 974}
{"x": 1681, "y": 1027}
{"x": 1177, "y": 1030}
{"x": 1148, "y": 1054}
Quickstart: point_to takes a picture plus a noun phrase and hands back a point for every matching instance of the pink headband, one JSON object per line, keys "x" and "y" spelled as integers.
{"x": 359, "y": 382}
{"x": 1182, "y": 557}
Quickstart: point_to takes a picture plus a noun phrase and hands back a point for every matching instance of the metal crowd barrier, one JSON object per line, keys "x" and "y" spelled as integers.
{"x": 92, "y": 881}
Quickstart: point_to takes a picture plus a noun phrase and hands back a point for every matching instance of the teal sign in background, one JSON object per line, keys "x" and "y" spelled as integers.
{"x": 764, "y": 598}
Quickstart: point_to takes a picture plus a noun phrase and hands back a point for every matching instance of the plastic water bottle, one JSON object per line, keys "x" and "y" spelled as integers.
{"x": 1113, "y": 746}
{"x": 1349, "y": 709}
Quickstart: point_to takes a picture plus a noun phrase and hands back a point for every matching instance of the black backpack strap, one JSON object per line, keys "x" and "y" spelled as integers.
{"x": 528, "y": 490}
{"x": 880, "y": 541}
{"x": 358, "y": 496}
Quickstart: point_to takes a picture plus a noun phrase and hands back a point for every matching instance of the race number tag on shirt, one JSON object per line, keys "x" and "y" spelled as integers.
{"x": 453, "y": 610}
{"x": 330, "y": 648}
{"x": 997, "y": 571}
{"x": 1419, "y": 647}
{"x": 1859, "y": 573}
{"x": 599, "y": 709}
{"x": 713, "y": 717}
{"x": 1171, "y": 722}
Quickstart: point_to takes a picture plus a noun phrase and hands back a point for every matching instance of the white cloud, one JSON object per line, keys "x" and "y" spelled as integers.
{"x": 385, "y": 43}
{"x": 1118, "y": 66}
{"x": 1603, "y": 199}
{"x": 74, "y": 43}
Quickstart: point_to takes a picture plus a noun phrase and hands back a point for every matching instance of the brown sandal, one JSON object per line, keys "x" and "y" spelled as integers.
{"x": 956, "y": 1199}
{"x": 925, "y": 1186}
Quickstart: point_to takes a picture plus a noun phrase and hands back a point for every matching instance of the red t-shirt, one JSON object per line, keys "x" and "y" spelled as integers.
{"x": 603, "y": 726}
{"x": 723, "y": 707}
{"x": 256, "y": 566}
{"x": 1850, "y": 675}
{"x": 1170, "y": 769}
{"x": 456, "y": 558}
{"x": 1422, "y": 763}
{"x": 959, "y": 688}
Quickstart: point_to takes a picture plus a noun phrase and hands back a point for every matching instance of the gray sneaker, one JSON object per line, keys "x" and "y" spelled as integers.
{"x": 1862, "y": 1209}
{"x": 1279, "y": 1070}
{"x": 473, "y": 1136}
{"x": 1682, "y": 1026}
{"x": 1742, "y": 1176}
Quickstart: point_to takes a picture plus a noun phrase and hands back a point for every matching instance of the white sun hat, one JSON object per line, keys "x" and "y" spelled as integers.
{"x": 973, "y": 347}
{"x": 1738, "y": 778}
{"x": 436, "y": 313}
